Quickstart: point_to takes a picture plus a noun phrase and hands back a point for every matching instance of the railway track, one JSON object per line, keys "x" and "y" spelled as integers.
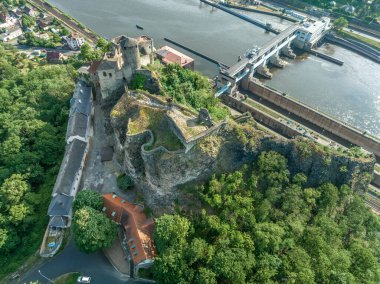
{"x": 373, "y": 202}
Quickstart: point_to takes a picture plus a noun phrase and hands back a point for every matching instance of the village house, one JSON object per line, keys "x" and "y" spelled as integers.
{"x": 30, "y": 11}
{"x": 169, "y": 55}
{"x": 17, "y": 13}
{"x": 4, "y": 16}
{"x": 43, "y": 25}
{"x": 74, "y": 41}
{"x": 11, "y": 33}
{"x": 137, "y": 230}
{"x": 54, "y": 57}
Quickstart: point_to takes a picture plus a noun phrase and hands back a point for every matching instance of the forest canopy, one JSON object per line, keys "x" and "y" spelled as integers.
{"x": 262, "y": 225}
{"x": 33, "y": 116}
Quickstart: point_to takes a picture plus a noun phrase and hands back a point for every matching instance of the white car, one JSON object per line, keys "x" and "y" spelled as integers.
{"x": 84, "y": 279}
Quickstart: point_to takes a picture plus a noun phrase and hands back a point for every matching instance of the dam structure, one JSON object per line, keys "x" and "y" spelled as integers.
{"x": 303, "y": 35}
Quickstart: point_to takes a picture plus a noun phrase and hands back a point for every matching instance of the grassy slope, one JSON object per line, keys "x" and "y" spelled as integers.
{"x": 154, "y": 120}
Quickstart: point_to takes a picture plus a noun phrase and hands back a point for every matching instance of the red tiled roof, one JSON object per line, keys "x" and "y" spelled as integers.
{"x": 170, "y": 55}
{"x": 53, "y": 55}
{"x": 94, "y": 67}
{"x": 138, "y": 228}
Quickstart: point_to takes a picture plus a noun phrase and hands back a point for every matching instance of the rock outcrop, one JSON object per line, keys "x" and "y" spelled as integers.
{"x": 161, "y": 156}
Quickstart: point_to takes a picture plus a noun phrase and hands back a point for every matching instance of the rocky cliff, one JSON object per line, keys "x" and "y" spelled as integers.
{"x": 149, "y": 149}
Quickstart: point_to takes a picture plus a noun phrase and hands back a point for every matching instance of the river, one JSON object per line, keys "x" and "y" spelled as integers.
{"x": 350, "y": 92}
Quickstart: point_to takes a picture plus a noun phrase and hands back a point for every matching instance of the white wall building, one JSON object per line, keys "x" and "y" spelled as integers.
{"x": 74, "y": 41}
{"x": 12, "y": 33}
{"x": 311, "y": 31}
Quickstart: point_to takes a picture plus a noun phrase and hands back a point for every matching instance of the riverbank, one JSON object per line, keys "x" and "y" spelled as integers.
{"x": 365, "y": 40}
{"x": 260, "y": 10}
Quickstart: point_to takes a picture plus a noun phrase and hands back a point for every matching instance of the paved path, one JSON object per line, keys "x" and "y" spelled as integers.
{"x": 71, "y": 259}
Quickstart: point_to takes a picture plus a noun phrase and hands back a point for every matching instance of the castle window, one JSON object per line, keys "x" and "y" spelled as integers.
{"x": 110, "y": 74}
{"x": 105, "y": 74}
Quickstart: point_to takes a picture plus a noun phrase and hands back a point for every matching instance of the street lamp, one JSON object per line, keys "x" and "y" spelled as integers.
{"x": 39, "y": 271}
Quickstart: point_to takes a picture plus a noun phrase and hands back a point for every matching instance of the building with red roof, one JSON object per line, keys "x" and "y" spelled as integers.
{"x": 137, "y": 229}
{"x": 169, "y": 55}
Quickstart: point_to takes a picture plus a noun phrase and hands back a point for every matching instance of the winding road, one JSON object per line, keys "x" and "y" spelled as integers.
{"x": 71, "y": 259}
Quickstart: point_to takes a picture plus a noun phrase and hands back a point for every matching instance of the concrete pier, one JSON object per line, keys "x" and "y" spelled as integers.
{"x": 276, "y": 61}
{"x": 264, "y": 71}
{"x": 288, "y": 52}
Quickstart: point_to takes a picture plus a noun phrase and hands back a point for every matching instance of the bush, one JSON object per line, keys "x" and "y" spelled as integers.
{"x": 138, "y": 82}
{"x": 124, "y": 182}
{"x": 88, "y": 198}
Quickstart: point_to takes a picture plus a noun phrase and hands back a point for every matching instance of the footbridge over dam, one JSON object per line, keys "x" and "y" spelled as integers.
{"x": 257, "y": 59}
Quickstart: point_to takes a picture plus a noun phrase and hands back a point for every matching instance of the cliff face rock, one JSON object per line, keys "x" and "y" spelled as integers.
{"x": 159, "y": 162}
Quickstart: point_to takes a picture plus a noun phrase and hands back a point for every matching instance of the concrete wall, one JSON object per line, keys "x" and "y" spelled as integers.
{"x": 261, "y": 117}
{"x": 376, "y": 179}
{"x": 338, "y": 128}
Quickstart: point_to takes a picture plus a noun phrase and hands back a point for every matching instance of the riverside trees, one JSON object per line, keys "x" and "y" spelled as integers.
{"x": 262, "y": 225}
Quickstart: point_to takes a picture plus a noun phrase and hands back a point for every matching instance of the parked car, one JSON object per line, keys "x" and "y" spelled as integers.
{"x": 84, "y": 279}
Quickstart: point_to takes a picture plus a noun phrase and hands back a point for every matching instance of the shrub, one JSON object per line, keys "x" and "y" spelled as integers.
{"x": 124, "y": 182}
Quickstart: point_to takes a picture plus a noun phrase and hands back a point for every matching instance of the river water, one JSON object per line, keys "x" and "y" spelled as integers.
{"x": 350, "y": 92}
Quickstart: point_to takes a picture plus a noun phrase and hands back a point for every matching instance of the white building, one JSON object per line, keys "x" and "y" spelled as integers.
{"x": 349, "y": 9}
{"x": 311, "y": 32}
{"x": 11, "y": 33}
{"x": 74, "y": 41}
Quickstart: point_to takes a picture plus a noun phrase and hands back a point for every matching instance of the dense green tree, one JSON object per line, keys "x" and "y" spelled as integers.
{"x": 13, "y": 189}
{"x": 190, "y": 88}
{"x": 264, "y": 225}
{"x": 93, "y": 230}
{"x": 90, "y": 198}
{"x": 340, "y": 23}
{"x": 171, "y": 230}
{"x": 33, "y": 117}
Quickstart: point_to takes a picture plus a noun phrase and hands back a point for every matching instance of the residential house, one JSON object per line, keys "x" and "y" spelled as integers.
{"x": 169, "y": 55}
{"x": 4, "y": 17}
{"x": 348, "y": 9}
{"x": 137, "y": 230}
{"x": 17, "y": 13}
{"x": 60, "y": 211}
{"x": 12, "y": 33}
{"x": 54, "y": 56}
{"x": 45, "y": 23}
{"x": 30, "y": 11}
{"x": 74, "y": 41}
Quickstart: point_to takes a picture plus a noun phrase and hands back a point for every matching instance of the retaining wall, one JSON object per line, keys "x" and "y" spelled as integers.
{"x": 376, "y": 179}
{"x": 346, "y": 132}
{"x": 261, "y": 117}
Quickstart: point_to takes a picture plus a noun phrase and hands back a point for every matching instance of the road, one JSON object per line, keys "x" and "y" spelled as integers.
{"x": 71, "y": 259}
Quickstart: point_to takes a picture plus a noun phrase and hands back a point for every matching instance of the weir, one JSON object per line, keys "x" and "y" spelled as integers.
{"x": 267, "y": 27}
